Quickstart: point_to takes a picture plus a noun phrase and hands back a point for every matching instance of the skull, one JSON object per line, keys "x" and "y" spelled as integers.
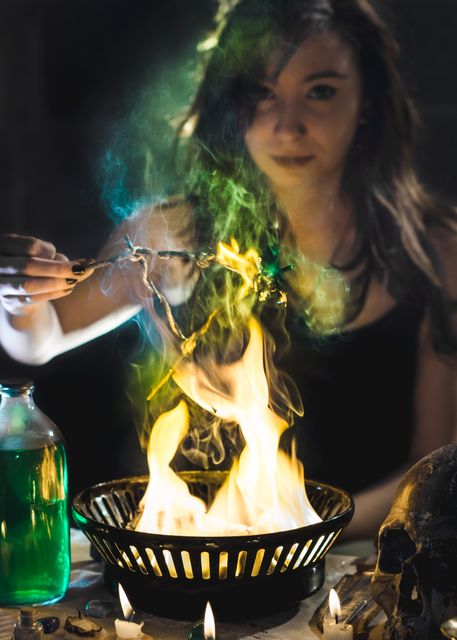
{"x": 415, "y": 578}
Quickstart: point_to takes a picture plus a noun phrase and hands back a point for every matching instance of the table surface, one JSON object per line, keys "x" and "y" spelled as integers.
{"x": 86, "y": 583}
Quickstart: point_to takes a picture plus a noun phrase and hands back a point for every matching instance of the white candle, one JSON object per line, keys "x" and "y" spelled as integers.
{"x": 333, "y": 629}
{"x": 126, "y": 629}
{"x": 337, "y": 631}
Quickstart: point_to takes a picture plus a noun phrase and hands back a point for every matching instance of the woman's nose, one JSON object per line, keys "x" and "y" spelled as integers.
{"x": 290, "y": 121}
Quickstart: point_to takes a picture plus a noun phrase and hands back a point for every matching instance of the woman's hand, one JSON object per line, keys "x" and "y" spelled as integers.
{"x": 32, "y": 272}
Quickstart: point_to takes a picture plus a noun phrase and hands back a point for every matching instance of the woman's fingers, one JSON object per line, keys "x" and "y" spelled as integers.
{"x": 20, "y": 286}
{"x": 40, "y": 267}
{"x": 32, "y": 272}
{"x": 25, "y": 305}
{"x": 61, "y": 257}
{"x": 12, "y": 244}
{"x": 23, "y": 295}
{"x": 28, "y": 256}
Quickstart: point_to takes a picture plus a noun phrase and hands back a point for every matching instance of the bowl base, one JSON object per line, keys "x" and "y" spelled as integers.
{"x": 231, "y": 601}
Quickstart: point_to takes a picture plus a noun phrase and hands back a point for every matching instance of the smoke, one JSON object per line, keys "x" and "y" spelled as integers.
{"x": 137, "y": 167}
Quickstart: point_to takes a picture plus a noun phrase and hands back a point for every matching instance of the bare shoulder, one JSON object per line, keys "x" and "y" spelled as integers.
{"x": 444, "y": 245}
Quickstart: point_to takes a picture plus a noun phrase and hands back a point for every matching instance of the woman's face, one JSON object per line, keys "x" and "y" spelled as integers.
{"x": 305, "y": 117}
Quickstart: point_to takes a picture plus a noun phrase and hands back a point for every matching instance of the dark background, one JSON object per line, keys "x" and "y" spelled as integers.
{"x": 69, "y": 71}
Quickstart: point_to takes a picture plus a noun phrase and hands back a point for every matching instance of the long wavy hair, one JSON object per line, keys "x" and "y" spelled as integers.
{"x": 394, "y": 213}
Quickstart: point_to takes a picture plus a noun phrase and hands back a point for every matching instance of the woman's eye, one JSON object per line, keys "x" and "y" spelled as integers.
{"x": 321, "y": 92}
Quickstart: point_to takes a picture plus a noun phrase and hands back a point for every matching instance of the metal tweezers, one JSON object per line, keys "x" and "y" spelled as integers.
{"x": 133, "y": 253}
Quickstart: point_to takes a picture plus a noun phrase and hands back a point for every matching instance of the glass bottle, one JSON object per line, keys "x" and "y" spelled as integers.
{"x": 27, "y": 626}
{"x": 34, "y": 515}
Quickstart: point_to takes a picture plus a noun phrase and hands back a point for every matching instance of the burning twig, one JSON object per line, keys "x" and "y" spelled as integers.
{"x": 264, "y": 281}
{"x": 187, "y": 347}
{"x": 134, "y": 253}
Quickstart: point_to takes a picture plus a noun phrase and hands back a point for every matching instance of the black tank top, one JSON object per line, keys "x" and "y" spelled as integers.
{"x": 357, "y": 391}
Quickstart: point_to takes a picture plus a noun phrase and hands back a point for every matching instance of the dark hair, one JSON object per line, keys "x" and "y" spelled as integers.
{"x": 394, "y": 212}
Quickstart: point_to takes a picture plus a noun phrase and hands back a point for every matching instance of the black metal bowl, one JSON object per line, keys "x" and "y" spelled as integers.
{"x": 241, "y": 576}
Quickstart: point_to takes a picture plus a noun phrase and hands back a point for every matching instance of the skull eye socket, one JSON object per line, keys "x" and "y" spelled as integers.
{"x": 396, "y": 547}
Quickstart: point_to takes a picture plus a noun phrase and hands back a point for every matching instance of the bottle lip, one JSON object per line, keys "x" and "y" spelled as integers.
{"x": 27, "y": 616}
{"x": 15, "y": 386}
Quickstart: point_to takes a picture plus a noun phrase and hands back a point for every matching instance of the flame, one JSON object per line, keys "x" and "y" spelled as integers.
{"x": 246, "y": 264}
{"x": 167, "y": 504}
{"x": 334, "y": 604}
{"x": 265, "y": 490}
{"x": 209, "y": 625}
{"x": 125, "y": 603}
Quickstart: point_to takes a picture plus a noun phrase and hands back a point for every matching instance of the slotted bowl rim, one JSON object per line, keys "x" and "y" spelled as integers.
{"x": 341, "y": 519}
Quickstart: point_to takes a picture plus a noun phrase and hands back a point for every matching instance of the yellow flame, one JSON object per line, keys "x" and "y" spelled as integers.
{"x": 167, "y": 504}
{"x": 209, "y": 625}
{"x": 246, "y": 264}
{"x": 265, "y": 490}
{"x": 334, "y": 603}
{"x": 125, "y": 603}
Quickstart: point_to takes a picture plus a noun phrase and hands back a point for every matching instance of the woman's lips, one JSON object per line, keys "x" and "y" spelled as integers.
{"x": 292, "y": 161}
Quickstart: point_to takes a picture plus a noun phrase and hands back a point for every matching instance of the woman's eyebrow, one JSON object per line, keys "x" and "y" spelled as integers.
{"x": 319, "y": 75}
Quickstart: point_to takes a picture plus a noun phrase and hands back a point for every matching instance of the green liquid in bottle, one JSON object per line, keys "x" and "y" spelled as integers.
{"x": 34, "y": 525}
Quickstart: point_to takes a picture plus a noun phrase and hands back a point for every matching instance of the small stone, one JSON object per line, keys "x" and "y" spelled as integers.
{"x": 82, "y": 626}
{"x": 99, "y": 608}
{"x": 50, "y": 624}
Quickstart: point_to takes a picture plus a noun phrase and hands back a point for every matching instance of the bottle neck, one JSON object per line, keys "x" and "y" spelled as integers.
{"x": 27, "y": 626}
{"x": 27, "y": 617}
{"x": 22, "y": 424}
{"x": 25, "y": 397}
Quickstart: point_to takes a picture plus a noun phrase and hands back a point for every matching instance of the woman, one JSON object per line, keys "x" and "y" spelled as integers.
{"x": 298, "y": 144}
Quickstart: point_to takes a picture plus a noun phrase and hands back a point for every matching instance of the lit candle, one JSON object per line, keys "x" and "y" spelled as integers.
{"x": 126, "y": 628}
{"x": 205, "y": 630}
{"x": 333, "y": 628}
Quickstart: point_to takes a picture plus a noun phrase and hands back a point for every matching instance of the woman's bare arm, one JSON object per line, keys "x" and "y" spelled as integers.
{"x": 36, "y": 330}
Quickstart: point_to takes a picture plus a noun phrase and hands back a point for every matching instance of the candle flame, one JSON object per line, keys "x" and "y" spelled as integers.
{"x": 334, "y": 604}
{"x": 209, "y": 626}
{"x": 125, "y": 603}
